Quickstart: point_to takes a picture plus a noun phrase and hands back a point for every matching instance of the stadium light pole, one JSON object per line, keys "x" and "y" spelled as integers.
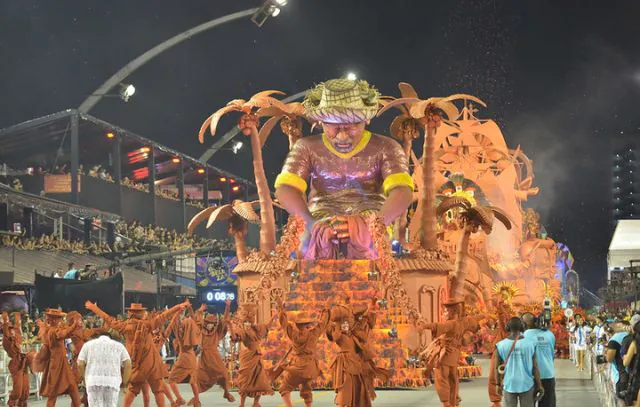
{"x": 132, "y": 66}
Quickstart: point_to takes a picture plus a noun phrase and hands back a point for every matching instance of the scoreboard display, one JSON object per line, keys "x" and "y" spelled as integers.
{"x": 215, "y": 297}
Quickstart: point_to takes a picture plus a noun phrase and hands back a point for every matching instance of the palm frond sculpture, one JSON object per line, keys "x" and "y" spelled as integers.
{"x": 238, "y": 213}
{"x": 473, "y": 219}
{"x": 427, "y": 114}
{"x": 248, "y": 124}
{"x": 290, "y": 119}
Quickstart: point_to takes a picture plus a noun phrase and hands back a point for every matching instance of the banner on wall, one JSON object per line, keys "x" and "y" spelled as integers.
{"x": 216, "y": 270}
{"x": 58, "y": 184}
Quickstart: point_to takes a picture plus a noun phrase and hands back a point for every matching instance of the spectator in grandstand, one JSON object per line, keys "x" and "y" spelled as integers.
{"x": 614, "y": 354}
{"x": 516, "y": 368}
{"x": 631, "y": 362}
{"x": 545, "y": 345}
{"x": 72, "y": 273}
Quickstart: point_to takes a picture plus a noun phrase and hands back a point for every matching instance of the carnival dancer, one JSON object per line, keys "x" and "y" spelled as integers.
{"x": 78, "y": 337}
{"x": 253, "y": 380}
{"x": 211, "y": 367}
{"x": 571, "y": 325}
{"x": 159, "y": 340}
{"x": 349, "y": 368}
{"x": 580, "y": 334}
{"x": 503, "y": 313}
{"x": 19, "y": 364}
{"x": 448, "y": 336}
{"x": 185, "y": 370}
{"x": 351, "y": 173}
{"x": 364, "y": 321}
{"x": 299, "y": 366}
{"x": 146, "y": 362}
{"x": 58, "y": 377}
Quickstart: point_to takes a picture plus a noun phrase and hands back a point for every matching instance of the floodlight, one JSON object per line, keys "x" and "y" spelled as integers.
{"x": 200, "y": 170}
{"x": 223, "y": 179}
{"x": 126, "y": 91}
{"x": 352, "y": 76}
{"x": 281, "y": 3}
{"x": 175, "y": 160}
{"x": 236, "y": 188}
{"x": 275, "y": 11}
{"x": 110, "y": 135}
{"x": 236, "y": 147}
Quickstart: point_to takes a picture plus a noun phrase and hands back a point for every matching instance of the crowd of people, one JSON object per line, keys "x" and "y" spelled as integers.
{"x": 100, "y": 172}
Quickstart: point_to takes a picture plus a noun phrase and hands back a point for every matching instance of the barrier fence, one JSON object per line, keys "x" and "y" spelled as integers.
{"x": 600, "y": 375}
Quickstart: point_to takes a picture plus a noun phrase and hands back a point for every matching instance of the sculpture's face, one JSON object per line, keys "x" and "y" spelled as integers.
{"x": 344, "y": 136}
{"x": 247, "y": 324}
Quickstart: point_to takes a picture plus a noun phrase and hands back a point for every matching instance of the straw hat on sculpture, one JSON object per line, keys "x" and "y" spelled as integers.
{"x": 342, "y": 101}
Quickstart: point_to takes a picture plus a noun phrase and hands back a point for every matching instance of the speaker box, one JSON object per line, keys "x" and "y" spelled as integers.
{"x": 4, "y": 216}
{"x": 6, "y": 278}
{"x": 111, "y": 234}
{"x": 88, "y": 223}
{"x": 28, "y": 221}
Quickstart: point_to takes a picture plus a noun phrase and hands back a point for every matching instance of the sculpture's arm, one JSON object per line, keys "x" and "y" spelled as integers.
{"x": 396, "y": 203}
{"x": 397, "y": 183}
{"x": 291, "y": 184}
{"x": 294, "y": 203}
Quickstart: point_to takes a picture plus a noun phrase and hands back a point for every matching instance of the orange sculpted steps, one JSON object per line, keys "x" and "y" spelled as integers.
{"x": 325, "y": 282}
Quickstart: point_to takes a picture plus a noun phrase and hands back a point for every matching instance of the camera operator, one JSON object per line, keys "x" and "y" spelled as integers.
{"x": 545, "y": 343}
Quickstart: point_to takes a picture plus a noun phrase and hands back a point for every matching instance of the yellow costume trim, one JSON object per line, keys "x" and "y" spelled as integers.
{"x": 397, "y": 180}
{"x": 291, "y": 179}
{"x": 366, "y": 136}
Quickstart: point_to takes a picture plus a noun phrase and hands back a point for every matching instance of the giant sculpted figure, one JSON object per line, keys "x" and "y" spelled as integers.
{"x": 349, "y": 173}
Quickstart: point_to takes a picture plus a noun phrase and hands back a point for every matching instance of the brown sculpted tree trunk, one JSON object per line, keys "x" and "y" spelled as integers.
{"x": 428, "y": 196}
{"x": 401, "y": 222}
{"x": 241, "y": 247}
{"x": 459, "y": 274}
{"x": 267, "y": 218}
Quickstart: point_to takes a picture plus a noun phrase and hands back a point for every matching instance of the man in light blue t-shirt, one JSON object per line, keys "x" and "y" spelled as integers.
{"x": 614, "y": 347}
{"x": 545, "y": 344}
{"x": 521, "y": 379}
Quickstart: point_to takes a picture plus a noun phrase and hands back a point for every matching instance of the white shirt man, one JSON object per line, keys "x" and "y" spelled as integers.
{"x": 105, "y": 365}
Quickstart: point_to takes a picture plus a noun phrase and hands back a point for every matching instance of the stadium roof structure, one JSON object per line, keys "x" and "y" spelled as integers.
{"x": 625, "y": 245}
{"x": 46, "y": 139}
{"x": 626, "y": 235}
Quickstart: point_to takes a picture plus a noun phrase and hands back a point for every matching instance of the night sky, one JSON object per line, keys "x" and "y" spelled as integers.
{"x": 560, "y": 77}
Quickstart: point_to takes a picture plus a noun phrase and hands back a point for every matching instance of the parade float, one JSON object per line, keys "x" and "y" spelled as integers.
{"x": 445, "y": 248}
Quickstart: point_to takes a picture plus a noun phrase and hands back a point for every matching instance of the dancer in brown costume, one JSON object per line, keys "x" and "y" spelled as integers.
{"x": 364, "y": 321}
{"x": 139, "y": 341}
{"x": 349, "y": 370}
{"x": 159, "y": 338}
{"x": 300, "y": 365}
{"x": 211, "y": 367}
{"x": 185, "y": 370}
{"x": 252, "y": 377}
{"x": 448, "y": 334}
{"x": 78, "y": 337}
{"x": 19, "y": 365}
{"x": 58, "y": 377}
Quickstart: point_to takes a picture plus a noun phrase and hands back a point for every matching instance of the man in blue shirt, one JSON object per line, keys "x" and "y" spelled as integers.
{"x": 614, "y": 354}
{"x": 545, "y": 345}
{"x": 72, "y": 272}
{"x": 516, "y": 357}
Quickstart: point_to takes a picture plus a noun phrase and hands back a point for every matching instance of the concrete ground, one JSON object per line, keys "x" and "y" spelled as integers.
{"x": 573, "y": 389}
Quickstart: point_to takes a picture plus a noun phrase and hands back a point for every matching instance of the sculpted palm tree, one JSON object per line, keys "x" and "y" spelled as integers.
{"x": 428, "y": 113}
{"x": 290, "y": 121}
{"x": 238, "y": 213}
{"x": 472, "y": 219}
{"x": 248, "y": 124}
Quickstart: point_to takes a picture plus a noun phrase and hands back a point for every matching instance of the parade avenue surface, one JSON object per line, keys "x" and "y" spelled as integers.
{"x": 573, "y": 389}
